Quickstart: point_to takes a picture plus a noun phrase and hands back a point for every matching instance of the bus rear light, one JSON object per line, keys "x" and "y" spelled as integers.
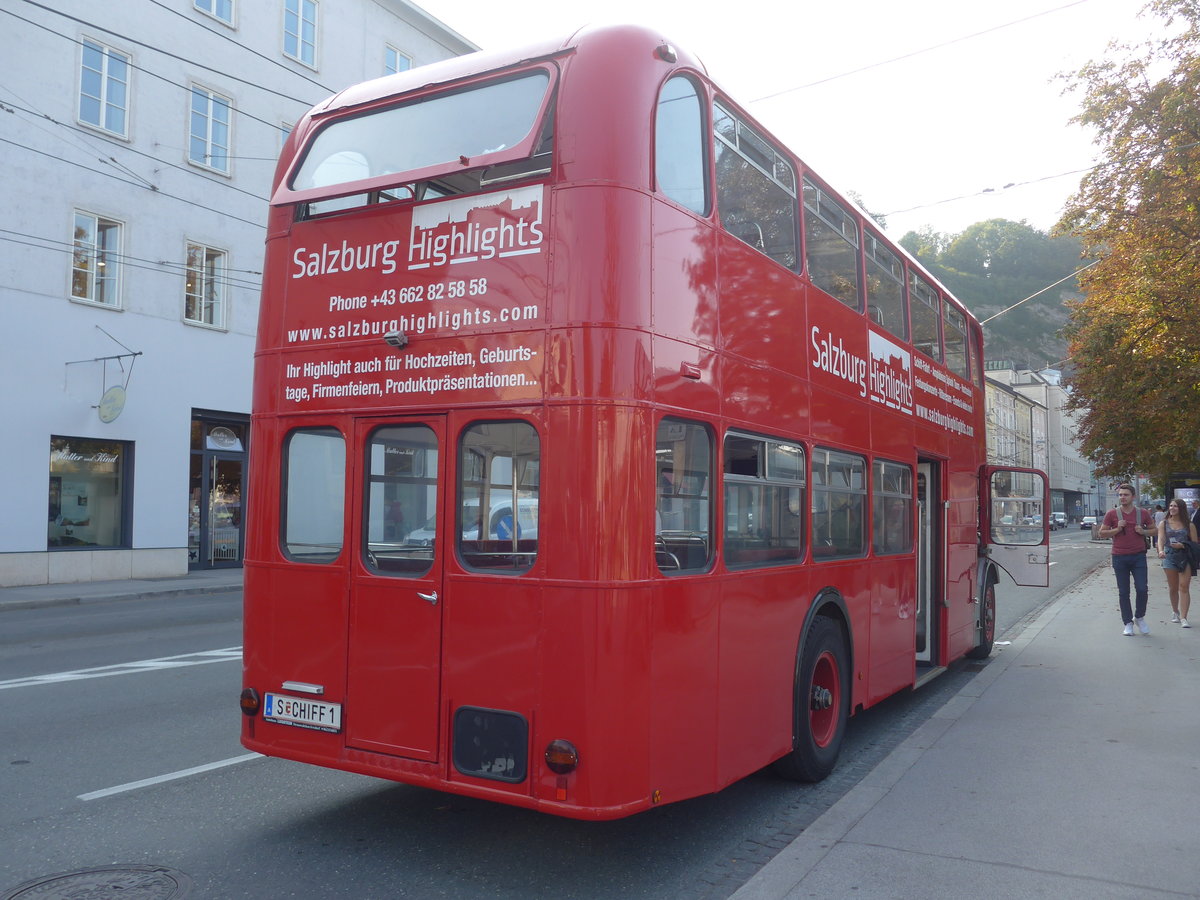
{"x": 561, "y": 757}
{"x": 666, "y": 53}
{"x": 250, "y": 702}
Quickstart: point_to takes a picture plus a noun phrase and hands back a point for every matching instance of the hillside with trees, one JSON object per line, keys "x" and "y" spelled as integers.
{"x": 992, "y": 266}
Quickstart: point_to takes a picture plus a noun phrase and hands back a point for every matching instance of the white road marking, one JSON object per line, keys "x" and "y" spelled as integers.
{"x": 173, "y": 776}
{"x": 202, "y": 658}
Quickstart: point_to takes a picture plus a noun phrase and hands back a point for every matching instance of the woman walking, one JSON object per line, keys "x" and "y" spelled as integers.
{"x": 1173, "y": 532}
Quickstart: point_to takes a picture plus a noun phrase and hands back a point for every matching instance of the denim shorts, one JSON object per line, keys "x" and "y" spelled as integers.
{"x": 1177, "y": 560}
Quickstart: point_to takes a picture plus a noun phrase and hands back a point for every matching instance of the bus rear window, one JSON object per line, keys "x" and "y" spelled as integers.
{"x": 498, "y": 492}
{"x": 471, "y": 124}
{"x": 314, "y": 492}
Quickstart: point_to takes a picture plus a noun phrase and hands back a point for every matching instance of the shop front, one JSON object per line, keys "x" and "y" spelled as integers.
{"x": 216, "y": 524}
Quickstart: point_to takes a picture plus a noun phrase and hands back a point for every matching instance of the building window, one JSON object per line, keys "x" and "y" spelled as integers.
{"x": 209, "y": 130}
{"x": 104, "y": 87}
{"x": 204, "y": 286}
{"x": 89, "y": 493}
{"x": 394, "y": 61}
{"x": 219, "y": 9}
{"x": 96, "y": 260}
{"x": 300, "y": 30}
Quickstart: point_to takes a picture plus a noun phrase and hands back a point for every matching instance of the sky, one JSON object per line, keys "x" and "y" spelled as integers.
{"x": 911, "y": 105}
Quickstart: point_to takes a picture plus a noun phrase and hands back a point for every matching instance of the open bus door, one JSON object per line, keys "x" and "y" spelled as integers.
{"x": 1015, "y": 524}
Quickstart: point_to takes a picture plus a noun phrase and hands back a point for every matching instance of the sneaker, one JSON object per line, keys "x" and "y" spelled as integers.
{"x": 1141, "y": 623}
{"x": 1175, "y": 617}
{"x": 1183, "y": 623}
{"x": 1129, "y": 629}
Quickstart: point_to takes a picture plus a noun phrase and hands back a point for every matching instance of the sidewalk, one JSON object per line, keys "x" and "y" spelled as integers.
{"x": 1068, "y": 768}
{"x": 201, "y": 581}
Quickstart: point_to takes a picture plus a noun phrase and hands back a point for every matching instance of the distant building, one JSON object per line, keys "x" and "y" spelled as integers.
{"x": 140, "y": 141}
{"x": 1071, "y": 482}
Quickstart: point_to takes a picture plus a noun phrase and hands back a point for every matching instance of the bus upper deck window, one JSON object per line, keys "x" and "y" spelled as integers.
{"x": 756, "y": 189}
{"x": 830, "y": 245}
{"x": 923, "y": 305}
{"x": 473, "y": 123}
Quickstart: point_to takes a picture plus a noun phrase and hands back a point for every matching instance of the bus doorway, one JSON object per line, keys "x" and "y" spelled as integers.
{"x": 395, "y": 628}
{"x": 928, "y": 559}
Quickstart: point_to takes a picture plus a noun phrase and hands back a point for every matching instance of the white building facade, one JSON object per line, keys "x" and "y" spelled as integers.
{"x": 140, "y": 141}
{"x": 1055, "y": 448}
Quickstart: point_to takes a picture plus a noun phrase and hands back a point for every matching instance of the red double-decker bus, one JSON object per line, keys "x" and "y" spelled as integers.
{"x": 602, "y": 453}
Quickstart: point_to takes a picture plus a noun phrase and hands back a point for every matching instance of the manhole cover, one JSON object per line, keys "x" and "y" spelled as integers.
{"x": 104, "y": 883}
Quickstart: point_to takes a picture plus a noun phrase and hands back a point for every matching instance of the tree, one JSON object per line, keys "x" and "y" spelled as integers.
{"x": 995, "y": 264}
{"x": 1135, "y": 337}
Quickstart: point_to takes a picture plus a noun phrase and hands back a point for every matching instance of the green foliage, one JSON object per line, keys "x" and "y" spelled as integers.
{"x": 993, "y": 265}
{"x": 1135, "y": 337}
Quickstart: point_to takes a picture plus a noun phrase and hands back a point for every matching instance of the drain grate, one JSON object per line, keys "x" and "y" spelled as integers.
{"x": 126, "y": 882}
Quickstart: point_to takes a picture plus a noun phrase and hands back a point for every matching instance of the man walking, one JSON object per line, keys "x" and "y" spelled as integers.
{"x": 1128, "y": 527}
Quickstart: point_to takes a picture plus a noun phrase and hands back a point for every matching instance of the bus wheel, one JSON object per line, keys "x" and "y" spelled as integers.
{"x": 823, "y": 704}
{"x": 987, "y": 619}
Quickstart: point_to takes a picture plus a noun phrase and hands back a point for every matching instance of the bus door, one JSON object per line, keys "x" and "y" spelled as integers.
{"x": 1016, "y": 523}
{"x": 928, "y": 558}
{"x": 395, "y": 629}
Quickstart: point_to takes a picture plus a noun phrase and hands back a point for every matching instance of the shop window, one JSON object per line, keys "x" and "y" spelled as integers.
{"x": 89, "y": 493}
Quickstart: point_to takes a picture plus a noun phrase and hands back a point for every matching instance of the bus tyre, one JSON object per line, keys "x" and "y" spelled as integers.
{"x": 822, "y": 704}
{"x": 987, "y": 624}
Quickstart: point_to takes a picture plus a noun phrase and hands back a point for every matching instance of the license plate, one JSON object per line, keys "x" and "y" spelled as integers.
{"x": 303, "y": 713}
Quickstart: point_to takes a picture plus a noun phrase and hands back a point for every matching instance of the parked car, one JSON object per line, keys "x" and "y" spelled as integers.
{"x": 1087, "y": 522}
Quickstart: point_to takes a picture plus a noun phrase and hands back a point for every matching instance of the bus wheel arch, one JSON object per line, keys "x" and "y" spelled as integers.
{"x": 985, "y": 627}
{"x": 821, "y": 693}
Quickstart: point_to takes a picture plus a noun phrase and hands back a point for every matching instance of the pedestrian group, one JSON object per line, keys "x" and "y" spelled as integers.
{"x": 1133, "y": 532}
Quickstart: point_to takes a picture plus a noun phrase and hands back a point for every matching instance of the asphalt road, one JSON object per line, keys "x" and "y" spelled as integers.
{"x": 119, "y": 728}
